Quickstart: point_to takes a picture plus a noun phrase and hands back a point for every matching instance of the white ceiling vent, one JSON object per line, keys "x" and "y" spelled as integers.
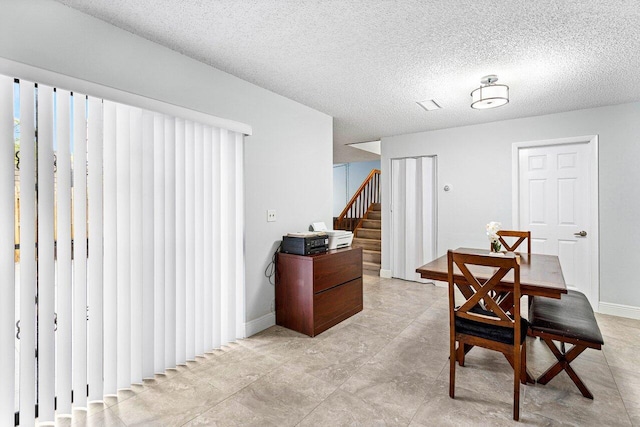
{"x": 429, "y": 105}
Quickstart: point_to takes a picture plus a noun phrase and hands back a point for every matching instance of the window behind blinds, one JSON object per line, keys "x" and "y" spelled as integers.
{"x": 126, "y": 226}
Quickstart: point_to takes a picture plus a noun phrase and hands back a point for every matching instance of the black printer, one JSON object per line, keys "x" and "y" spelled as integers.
{"x": 305, "y": 243}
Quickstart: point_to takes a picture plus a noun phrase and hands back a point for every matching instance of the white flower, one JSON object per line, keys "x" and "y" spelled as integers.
{"x": 492, "y": 230}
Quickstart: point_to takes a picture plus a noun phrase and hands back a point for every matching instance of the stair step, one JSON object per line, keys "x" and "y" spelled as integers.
{"x": 376, "y": 207}
{"x": 369, "y": 255}
{"x": 369, "y": 233}
{"x": 370, "y": 266}
{"x": 372, "y": 223}
{"x": 370, "y": 244}
{"x": 377, "y": 215}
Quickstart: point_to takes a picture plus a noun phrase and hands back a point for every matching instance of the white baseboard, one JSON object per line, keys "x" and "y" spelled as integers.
{"x": 260, "y": 324}
{"x": 619, "y": 310}
{"x": 440, "y": 284}
{"x": 385, "y": 274}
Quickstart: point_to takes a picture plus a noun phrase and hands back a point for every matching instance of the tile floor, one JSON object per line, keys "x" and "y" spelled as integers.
{"x": 385, "y": 366}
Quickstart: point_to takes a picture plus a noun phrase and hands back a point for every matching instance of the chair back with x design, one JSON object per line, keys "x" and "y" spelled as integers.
{"x": 520, "y": 235}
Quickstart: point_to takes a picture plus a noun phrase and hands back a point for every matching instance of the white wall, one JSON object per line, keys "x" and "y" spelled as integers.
{"x": 340, "y": 197}
{"x": 358, "y": 171}
{"x": 286, "y": 134}
{"x": 476, "y": 162}
{"x": 347, "y": 178}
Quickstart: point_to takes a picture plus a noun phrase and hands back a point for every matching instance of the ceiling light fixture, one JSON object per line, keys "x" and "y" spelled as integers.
{"x": 489, "y": 94}
{"x": 429, "y": 105}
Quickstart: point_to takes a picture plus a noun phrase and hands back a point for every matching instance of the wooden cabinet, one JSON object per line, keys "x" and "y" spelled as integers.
{"x": 315, "y": 292}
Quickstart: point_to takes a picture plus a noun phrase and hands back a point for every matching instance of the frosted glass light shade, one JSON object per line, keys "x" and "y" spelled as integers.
{"x": 490, "y": 96}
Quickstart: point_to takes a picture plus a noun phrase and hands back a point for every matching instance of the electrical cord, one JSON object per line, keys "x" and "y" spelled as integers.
{"x": 270, "y": 271}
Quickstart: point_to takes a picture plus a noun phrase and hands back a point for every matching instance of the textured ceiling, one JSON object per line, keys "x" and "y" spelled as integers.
{"x": 367, "y": 62}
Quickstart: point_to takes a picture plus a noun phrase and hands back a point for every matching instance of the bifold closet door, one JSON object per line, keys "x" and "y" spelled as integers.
{"x": 412, "y": 215}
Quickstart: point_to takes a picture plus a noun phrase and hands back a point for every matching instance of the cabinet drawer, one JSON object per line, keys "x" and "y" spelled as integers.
{"x": 335, "y": 268}
{"x": 336, "y": 304}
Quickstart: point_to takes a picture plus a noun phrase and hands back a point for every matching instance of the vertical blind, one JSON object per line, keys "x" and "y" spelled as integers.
{"x": 121, "y": 246}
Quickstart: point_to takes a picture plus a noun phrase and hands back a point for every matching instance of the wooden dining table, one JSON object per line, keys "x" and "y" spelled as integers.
{"x": 540, "y": 275}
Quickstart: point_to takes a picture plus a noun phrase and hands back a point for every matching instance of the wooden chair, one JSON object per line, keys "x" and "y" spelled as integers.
{"x": 480, "y": 321}
{"x": 521, "y": 235}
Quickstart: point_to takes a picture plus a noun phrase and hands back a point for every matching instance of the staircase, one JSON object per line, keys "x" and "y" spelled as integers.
{"x": 368, "y": 237}
{"x": 362, "y": 215}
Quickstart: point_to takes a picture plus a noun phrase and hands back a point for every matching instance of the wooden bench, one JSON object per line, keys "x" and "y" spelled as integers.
{"x": 566, "y": 320}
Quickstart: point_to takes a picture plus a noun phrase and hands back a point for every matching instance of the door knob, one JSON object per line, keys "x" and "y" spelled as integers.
{"x": 581, "y": 234}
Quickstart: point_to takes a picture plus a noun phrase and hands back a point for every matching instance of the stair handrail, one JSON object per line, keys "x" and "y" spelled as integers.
{"x": 367, "y": 193}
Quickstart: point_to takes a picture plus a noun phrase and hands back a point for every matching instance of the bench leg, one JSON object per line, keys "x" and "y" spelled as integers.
{"x": 563, "y": 364}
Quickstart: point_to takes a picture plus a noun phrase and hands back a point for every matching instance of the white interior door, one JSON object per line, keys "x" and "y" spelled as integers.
{"x": 412, "y": 215}
{"x": 555, "y": 205}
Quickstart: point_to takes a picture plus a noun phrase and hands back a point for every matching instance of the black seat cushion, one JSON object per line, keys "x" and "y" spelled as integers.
{"x": 571, "y": 317}
{"x": 491, "y": 332}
